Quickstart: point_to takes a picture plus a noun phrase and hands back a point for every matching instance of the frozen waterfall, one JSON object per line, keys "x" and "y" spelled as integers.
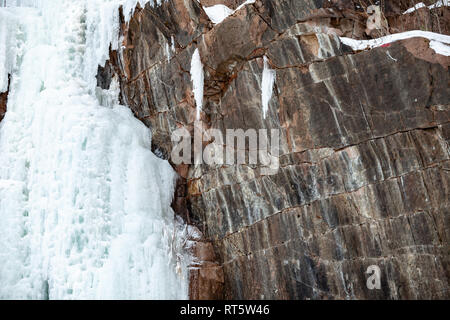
{"x": 84, "y": 203}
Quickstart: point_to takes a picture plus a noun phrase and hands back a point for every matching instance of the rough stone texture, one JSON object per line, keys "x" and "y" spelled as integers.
{"x": 437, "y": 20}
{"x": 364, "y": 153}
{"x": 206, "y": 276}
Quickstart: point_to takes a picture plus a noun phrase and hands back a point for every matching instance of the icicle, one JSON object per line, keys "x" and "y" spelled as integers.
{"x": 197, "y": 78}
{"x": 268, "y": 80}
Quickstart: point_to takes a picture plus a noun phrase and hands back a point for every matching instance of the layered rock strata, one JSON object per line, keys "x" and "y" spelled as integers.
{"x": 364, "y": 146}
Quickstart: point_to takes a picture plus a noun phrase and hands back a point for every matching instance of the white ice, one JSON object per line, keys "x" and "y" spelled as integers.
{"x": 440, "y": 47}
{"x": 11, "y": 39}
{"x": 438, "y": 42}
{"x": 268, "y": 80}
{"x": 197, "y": 78}
{"x": 84, "y": 203}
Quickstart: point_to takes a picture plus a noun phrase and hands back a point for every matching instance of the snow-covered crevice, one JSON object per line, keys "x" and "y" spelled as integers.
{"x": 438, "y": 42}
{"x": 220, "y": 12}
{"x": 437, "y": 4}
{"x": 84, "y": 203}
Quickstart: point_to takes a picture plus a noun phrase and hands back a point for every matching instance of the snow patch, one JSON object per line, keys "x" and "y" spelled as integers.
{"x": 220, "y": 12}
{"x": 438, "y": 42}
{"x": 268, "y": 80}
{"x": 439, "y": 47}
{"x": 198, "y": 80}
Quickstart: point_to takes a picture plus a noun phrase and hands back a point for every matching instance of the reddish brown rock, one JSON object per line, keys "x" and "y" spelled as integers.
{"x": 3, "y": 100}
{"x": 206, "y": 277}
{"x": 206, "y": 282}
{"x": 436, "y": 20}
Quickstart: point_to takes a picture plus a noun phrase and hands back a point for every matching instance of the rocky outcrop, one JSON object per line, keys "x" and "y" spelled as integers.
{"x": 364, "y": 153}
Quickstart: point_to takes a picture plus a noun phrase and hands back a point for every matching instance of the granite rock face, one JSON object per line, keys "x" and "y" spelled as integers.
{"x": 364, "y": 147}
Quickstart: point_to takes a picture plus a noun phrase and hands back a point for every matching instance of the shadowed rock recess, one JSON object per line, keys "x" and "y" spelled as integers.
{"x": 364, "y": 151}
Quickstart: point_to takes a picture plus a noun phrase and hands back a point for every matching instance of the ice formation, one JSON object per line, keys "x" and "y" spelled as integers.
{"x": 10, "y": 36}
{"x": 440, "y": 43}
{"x": 197, "y": 78}
{"x": 84, "y": 203}
{"x": 268, "y": 80}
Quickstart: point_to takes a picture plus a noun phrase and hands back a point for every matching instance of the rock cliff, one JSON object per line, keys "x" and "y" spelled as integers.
{"x": 364, "y": 145}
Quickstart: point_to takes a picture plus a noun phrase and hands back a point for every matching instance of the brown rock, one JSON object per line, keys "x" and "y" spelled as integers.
{"x": 3, "y": 102}
{"x": 364, "y": 157}
{"x": 206, "y": 282}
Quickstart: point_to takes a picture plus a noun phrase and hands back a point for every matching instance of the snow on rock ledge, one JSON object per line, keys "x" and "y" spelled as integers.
{"x": 438, "y": 42}
{"x": 220, "y": 12}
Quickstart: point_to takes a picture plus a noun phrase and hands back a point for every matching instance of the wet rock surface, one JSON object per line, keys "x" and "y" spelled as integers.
{"x": 364, "y": 148}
